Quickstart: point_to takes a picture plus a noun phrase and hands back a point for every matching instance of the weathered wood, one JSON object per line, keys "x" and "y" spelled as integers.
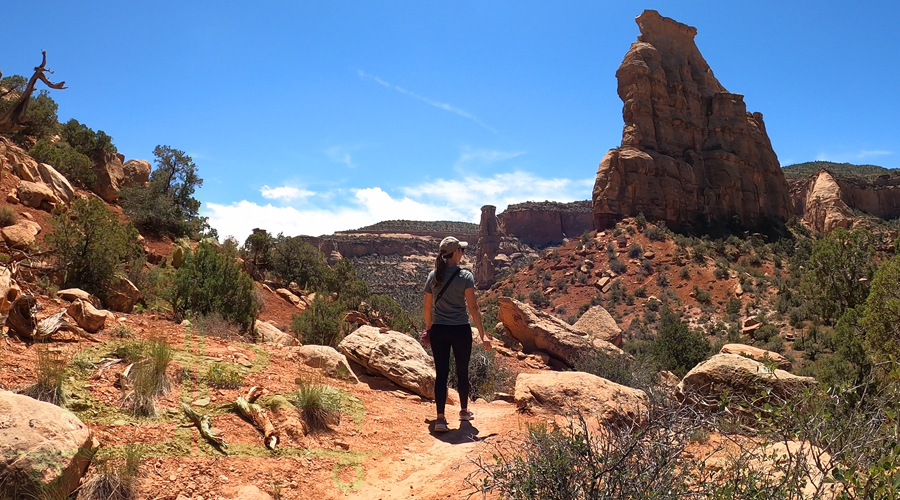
{"x": 203, "y": 423}
{"x": 14, "y": 118}
{"x": 24, "y": 323}
{"x": 257, "y": 416}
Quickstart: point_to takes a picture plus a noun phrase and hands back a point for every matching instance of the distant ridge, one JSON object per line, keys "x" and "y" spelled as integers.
{"x": 418, "y": 226}
{"x": 839, "y": 170}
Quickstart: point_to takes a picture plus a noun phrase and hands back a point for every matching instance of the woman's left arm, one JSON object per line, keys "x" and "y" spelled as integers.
{"x": 472, "y": 305}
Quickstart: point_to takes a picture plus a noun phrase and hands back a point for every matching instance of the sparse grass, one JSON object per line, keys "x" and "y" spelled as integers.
{"x": 50, "y": 367}
{"x": 319, "y": 404}
{"x": 122, "y": 332}
{"x": 8, "y": 216}
{"x": 223, "y": 377}
{"x": 148, "y": 377}
{"x": 115, "y": 479}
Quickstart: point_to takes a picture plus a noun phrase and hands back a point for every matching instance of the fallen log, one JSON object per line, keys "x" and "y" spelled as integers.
{"x": 203, "y": 423}
{"x": 257, "y": 416}
{"x": 23, "y": 321}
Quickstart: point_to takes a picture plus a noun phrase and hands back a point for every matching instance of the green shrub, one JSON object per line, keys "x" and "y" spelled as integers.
{"x": 538, "y": 299}
{"x": 640, "y": 221}
{"x": 635, "y": 251}
{"x": 654, "y": 233}
{"x": 765, "y": 333}
{"x": 677, "y": 348}
{"x": 50, "y": 368}
{"x": 320, "y": 405}
{"x": 616, "y": 266}
{"x": 702, "y": 296}
{"x": 75, "y": 166}
{"x": 684, "y": 273}
{"x": 487, "y": 376}
{"x": 733, "y": 306}
{"x": 8, "y": 216}
{"x": 210, "y": 282}
{"x": 121, "y": 331}
{"x": 90, "y": 245}
{"x": 220, "y": 376}
{"x": 321, "y": 324}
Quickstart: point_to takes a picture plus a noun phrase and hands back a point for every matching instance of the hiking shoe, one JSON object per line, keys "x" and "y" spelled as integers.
{"x": 466, "y": 415}
{"x": 440, "y": 425}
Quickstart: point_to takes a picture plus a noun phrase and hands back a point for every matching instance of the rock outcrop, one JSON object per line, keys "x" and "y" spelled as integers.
{"x": 598, "y": 323}
{"x": 135, "y": 173}
{"x": 21, "y": 235}
{"x": 57, "y": 182}
{"x": 87, "y": 316}
{"x": 327, "y": 359}
{"x": 539, "y": 331}
{"x": 539, "y": 224}
{"x": 37, "y": 195}
{"x": 826, "y": 200}
{"x": 574, "y": 393}
{"x": 393, "y": 355}
{"x": 269, "y": 333}
{"x": 739, "y": 377}
{"x": 691, "y": 153}
{"x": 41, "y": 445}
{"x": 487, "y": 247}
{"x": 122, "y": 296}
{"x": 110, "y": 176}
{"x": 757, "y": 354}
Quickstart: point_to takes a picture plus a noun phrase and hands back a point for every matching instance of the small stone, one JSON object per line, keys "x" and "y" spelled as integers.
{"x": 120, "y": 422}
{"x": 173, "y": 477}
{"x": 201, "y": 402}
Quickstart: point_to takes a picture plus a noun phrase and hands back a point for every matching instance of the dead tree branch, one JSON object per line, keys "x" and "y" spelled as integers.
{"x": 14, "y": 118}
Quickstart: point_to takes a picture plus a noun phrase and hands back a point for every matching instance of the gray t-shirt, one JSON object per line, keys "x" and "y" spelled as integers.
{"x": 451, "y": 309}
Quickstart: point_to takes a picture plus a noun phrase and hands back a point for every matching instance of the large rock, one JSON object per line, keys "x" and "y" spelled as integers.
{"x": 756, "y": 354}
{"x": 571, "y": 393}
{"x": 122, "y": 296}
{"x": 21, "y": 235}
{"x": 110, "y": 176}
{"x": 57, "y": 182}
{"x": 690, "y": 153}
{"x": 739, "y": 377}
{"x": 27, "y": 171}
{"x": 43, "y": 442}
{"x": 6, "y": 283}
{"x": 827, "y": 200}
{"x": 73, "y": 294}
{"x": 539, "y": 331}
{"x": 135, "y": 173}
{"x": 87, "y": 316}
{"x": 486, "y": 247}
{"x": 327, "y": 359}
{"x": 598, "y": 323}
{"x": 37, "y": 195}
{"x": 393, "y": 355}
{"x": 546, "y": 223}
{"x": 266, "y": 332}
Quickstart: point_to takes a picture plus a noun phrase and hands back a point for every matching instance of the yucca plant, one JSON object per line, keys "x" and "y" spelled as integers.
{"x": 319, "y": 404}
{"x": 148, "y": 378}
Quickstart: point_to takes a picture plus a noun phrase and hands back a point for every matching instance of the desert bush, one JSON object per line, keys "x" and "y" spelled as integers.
{"x": 321, "y": 324}
{"x": 833, "y": 281}
{"x": 654, "y": 233}
{"x": 538, "y": 299}
{"x": 630, "y": 372}
{"x": 702, "y": 296}
{"x": 487, "y": 376}
{"x": 90, "y": 245}
{"x": 222, "y": 377}
{"x": 210, "y": 282}
{"x": 677, "y": 348}
{"x": 616, "y": 266}
{"x": 214, "y": 325}
{"x": 765, "y": 333}
{"x": 8, "y": 216}
{"x": 294, "y": 260}
{"x": 319, "y": 405}
{"x": 75, "y": 166}
{"x": 121, "y": 331}
{"x": 114, "y": 478}
{"x": 640, "y": 221}
{"x": 50, "y": 368}
{"x": 635, "y": 251}
{"x": 733, "y": 306}
{"x": 390, "y": 312}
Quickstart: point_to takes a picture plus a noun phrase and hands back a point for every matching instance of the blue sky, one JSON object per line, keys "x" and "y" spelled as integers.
{"x": 312, "y": 117}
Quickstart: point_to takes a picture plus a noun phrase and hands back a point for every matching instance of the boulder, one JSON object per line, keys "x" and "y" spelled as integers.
{"x": 57, "y": 182}
{"x": 87, "y": 316}
{"x": 756, "y": 354}
{"x": 327, "y": 359}
{"x": 598, "y": 323}
{"x": 393, "y": 355}
{"x": 6, "y": 283}
{"x": 11, "y": 156}
{"x": 266, "y": 332}
{"x": 43, "y": 442}
{"x": 690, "y": 151}
{"x": 19, "y": 236}
{"x": 289, "y": 296}
{"x": 486, "y": 247}
{"x": 537, "y": 330}
{"x": 36, "y": 195}
{"x": 122, "y": 296}
{"x": 73, "y": 294}
{"x": 739, "y": 377}
{"x": 27, "y": 171}
{"x": 135, "y": 173}
{"x": 571, "y": 393}
{"x": 110, "y": 176}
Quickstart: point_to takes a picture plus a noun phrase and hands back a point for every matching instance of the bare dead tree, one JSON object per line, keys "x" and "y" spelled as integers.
{"x": 14, "y": 118}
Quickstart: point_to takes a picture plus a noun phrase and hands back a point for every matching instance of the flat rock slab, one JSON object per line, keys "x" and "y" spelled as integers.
{"x": 573, "y": 393}
{"x": 393, "y": 355}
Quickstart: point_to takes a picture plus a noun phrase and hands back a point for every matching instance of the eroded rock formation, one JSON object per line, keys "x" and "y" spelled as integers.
{"x": 691, "y": 153}
{"x": 546, "y": 223}
{"x": 825, "y": 200}
{"x": 487, "y": 247}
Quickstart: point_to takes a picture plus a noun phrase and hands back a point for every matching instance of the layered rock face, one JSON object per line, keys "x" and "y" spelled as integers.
{"x": 487, "y": 247}
{"x": 691, "y": 153}
{"x": 546, "y": 223}
{"x": 825, "y": 201}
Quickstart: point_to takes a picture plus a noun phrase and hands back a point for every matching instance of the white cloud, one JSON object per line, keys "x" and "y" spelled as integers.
{"x": 437, "y": 104}
{"x": 285, "y": 193}
{"x": 441, "y": 199}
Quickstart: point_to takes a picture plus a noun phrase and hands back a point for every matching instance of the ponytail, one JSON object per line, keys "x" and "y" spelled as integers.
{"x": 440, "y": 266}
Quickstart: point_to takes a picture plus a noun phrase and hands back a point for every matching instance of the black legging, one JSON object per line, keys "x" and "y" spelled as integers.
{"x": 443, "y": 337}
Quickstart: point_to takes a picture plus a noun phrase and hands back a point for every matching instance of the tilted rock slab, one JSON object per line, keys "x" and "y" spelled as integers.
{"x": 57, "y": 182}
{"x": 539, "y": 331}
{"x": 327, "y": 359}
{"x": 597, "y": 322}
{"x": 87, "y": 316}
{"x": 122, "y": 296}
{"x": 393, "y": 355}
{"x": 757, "y": 354}
{"x": 37, "y": 195}
{"x": 572, "y": 393}
{"x": 690, "y": 153}
{"x": 41, "y": 441}
{"x": 109, "y": 176}
{"x": 267, "y": 332}
{"x": 739, "y": 377}
{"x": 73, "y": 294}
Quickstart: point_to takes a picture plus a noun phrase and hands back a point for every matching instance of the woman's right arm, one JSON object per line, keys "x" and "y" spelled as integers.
{"x": 426, "y": 313}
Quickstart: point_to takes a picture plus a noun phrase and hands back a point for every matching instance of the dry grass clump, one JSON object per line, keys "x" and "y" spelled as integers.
{"x": 319, "y": 404}
{"x": 223, "y": 377}
{"x": 8, "y": 216}
{"x": 116, "y": 479}
{"x": 148, "y": 378}
{"x": 50, "y": 367}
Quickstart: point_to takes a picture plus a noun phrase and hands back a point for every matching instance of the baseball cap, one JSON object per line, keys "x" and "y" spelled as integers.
{"x": 450, "y": 244}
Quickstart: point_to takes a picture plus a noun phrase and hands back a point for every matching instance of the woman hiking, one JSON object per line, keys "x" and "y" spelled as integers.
{"x": 449, "y": 293}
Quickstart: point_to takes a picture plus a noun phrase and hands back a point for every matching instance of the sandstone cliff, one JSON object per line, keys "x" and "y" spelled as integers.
{"x": 539, "y": 224}
{"x": 691, "y": 153}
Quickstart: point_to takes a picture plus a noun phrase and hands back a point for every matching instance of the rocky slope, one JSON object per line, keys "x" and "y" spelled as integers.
{"x": 691, "y": 153}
